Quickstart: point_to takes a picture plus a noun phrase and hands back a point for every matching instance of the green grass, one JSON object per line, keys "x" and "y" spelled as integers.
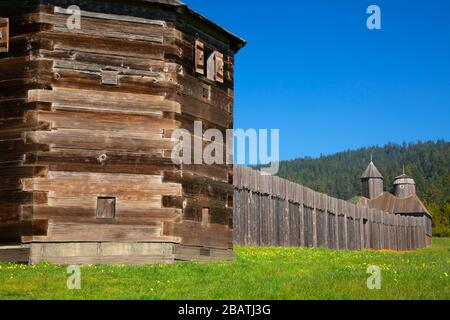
{"x": 257, "y": 273}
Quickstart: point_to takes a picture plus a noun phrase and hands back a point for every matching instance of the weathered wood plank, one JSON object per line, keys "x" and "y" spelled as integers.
{"x": 97, "y": 100}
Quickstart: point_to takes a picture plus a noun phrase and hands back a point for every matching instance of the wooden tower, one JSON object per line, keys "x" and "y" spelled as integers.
{"x": 371, "y": 182}
{"x": 404, "y": 186}
{"x": 87, "y": 113}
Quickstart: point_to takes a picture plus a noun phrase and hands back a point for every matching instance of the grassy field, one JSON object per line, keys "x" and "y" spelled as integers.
{"x": 257, "y": 273}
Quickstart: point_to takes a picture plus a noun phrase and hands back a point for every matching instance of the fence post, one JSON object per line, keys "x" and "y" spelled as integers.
{"x": 414, "y": 233}
{"x": 359, "y": 225}
{"x": 373, "y": 229}
{"x": 380, "y": 235}
{"x": 416, "y": 238}
{"x": 336, "y": 217}
{"x": 364, "y": 222}
{"x": 408, "y": 246}
{"x": 397, "y": 232}
{"x": 325, "y": 227}
{"x": 301, "y": 207}
{"x": 422, "y": 231}
{"x": 376, "y": 230}
{"x": 382, "y": 230}
{"x": 270, "y": 234}
{"x": 390, "y": 236}
{"x": 409, "y": 228}
{"x": 248, "y": 240}
{"x": 350, "y": 225}
{"x": 392, "y": 229}
{"x": 314, "y": 218}
{"x": 286, "y": 227}
{"x": 240, "y": 213}
{"x": 344, "y": 207}
{"x": 405, "y": 244}
{"x": 405, "y": 231}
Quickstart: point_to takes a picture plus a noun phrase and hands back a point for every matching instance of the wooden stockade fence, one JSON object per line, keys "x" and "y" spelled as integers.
{"x": 270, "y": 211}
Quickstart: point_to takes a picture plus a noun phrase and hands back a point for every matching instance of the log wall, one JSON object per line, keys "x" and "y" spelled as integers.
{"x": 270, "y": 211}
{"x": 88, "y": 113}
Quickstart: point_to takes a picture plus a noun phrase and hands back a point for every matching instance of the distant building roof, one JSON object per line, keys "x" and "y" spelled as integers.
{"x": 388, "y": 202}
{"x": 371, "y": 172}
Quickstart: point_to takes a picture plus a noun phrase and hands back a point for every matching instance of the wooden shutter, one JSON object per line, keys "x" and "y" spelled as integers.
{"x": 219, "y": 67}
{"x": 199, "y": 57}
{"x": 4, "y": 34}
{"x": 106, "y": 208}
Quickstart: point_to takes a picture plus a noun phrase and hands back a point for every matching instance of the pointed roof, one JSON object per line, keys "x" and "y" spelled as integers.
{"x": 371, "y": 172}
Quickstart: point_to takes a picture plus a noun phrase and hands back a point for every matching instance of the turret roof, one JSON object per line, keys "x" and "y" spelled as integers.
{"x": 371, "y": 172}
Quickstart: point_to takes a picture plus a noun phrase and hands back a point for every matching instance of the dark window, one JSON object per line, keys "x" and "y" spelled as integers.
{"x": 230, "y": 201}
{"x": 205, "y": 252}
{"x": 366, "y": 233}
{"x": 106, "y": 208}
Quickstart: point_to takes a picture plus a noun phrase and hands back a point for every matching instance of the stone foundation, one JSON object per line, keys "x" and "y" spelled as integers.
{"x": 130, "y": 253}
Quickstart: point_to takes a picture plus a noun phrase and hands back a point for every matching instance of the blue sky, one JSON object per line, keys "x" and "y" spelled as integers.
{"x": 314, "y": 70}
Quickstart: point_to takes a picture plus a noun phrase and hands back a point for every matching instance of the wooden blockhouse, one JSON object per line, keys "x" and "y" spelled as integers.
{"x": 86, "y": 122}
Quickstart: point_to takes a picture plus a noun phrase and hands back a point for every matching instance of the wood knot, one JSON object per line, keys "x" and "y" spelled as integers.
{"x": 102, "y": 158}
